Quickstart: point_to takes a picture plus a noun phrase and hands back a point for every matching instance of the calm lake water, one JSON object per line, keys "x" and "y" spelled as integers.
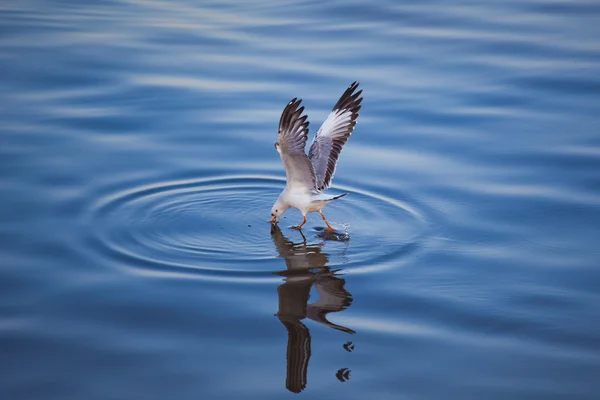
{"x": 137, "y": 173}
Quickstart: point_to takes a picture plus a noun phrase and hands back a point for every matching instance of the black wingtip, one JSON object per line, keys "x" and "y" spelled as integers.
{"x": 290, "y": 113}
{"x": 350, "y": 100}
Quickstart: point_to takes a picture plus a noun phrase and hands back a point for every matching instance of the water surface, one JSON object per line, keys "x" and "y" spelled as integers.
{"x": 137, "y": 172}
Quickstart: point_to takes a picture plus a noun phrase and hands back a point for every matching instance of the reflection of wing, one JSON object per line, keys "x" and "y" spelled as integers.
{"x": 333, "y": 134}
{"x": 293, "y": 131}
{"x": 298, "y": 354}
{"x": 298, "y": 257}
{"x": 293, "y": 297}
{"x": 333, "y": 297}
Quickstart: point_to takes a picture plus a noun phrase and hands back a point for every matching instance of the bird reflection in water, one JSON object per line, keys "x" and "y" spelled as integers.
{"x": 306, "y": 266}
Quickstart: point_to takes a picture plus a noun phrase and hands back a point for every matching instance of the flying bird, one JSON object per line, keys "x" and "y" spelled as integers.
{"x": 309, "y": 176}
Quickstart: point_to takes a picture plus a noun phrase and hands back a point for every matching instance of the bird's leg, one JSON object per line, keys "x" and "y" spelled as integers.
{"x": 301, "y": 225}
{"x": 329, "y": 228}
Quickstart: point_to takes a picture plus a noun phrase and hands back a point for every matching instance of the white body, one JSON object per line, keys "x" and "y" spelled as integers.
{"x": 303, "y": 200}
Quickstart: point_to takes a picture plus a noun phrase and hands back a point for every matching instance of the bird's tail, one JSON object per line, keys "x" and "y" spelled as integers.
{"x": 326, "y": 197}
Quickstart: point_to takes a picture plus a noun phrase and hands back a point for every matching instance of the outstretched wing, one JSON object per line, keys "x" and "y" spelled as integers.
{"x": 293, "y": 132}
{"x": 333, "y": 134}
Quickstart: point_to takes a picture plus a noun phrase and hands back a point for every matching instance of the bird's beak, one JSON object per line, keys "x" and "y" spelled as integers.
{"x": 274, "y": 220}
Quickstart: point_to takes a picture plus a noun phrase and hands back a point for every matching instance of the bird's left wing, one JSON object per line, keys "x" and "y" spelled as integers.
{"x": 293, "y": 132}
{"x": 333, "y": 134}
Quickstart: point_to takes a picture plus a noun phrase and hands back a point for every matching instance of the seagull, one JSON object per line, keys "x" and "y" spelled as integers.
{"x": 309, "y": 176}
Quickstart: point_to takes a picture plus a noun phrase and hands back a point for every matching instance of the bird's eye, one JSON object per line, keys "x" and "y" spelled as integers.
{"x": 276, "y": 210}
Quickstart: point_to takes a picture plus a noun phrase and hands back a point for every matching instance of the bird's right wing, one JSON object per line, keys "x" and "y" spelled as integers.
{"x": 293, "y": 132}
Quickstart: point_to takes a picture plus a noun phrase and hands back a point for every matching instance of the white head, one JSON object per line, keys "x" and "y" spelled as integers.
{"x": 278, "y": 208}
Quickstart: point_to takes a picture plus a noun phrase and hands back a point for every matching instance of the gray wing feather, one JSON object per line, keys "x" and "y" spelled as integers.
{"x": 333, "y": 134}
{"x": 293, "y": 132}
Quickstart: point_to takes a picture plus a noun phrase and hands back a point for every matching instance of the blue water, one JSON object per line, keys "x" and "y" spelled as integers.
{"x": 137, "y": 173}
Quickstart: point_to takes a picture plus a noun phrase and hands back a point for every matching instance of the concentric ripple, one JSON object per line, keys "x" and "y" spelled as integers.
{"x": 218, "y": 228}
